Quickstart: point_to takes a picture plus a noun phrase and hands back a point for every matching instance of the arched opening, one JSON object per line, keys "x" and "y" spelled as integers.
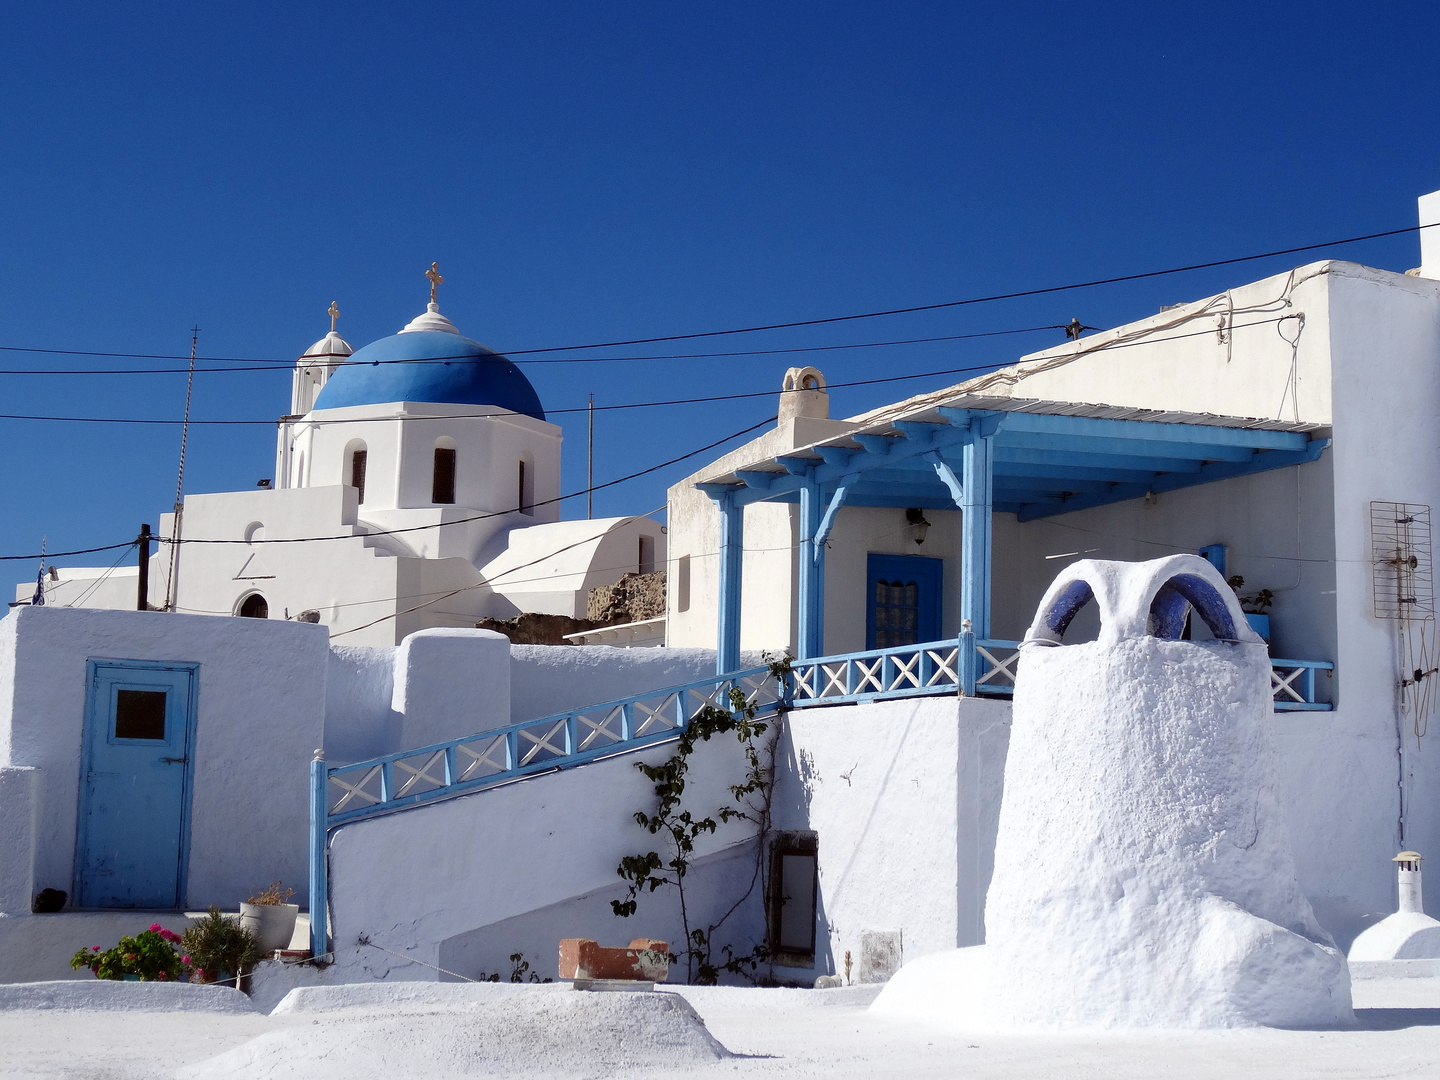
{"x": 254, "y": 607}
{"x": 442, "y": 482}
{"x": 1067, "y": 605}
{"x": 1176, "y": 596}
{"x": 254, "y": 531}
{"x": 356, "y": 460}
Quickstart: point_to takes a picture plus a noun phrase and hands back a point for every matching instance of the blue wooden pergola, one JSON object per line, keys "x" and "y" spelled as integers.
{"x": 1034, "y": 459}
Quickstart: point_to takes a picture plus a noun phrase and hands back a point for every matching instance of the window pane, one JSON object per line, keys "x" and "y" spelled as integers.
{"x": 140, "y": 714}
{"x": 912, "y": 594}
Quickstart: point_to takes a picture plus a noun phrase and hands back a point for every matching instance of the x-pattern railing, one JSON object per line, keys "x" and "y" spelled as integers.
{"x": 1292, "y": 684}
{"x": 444, "y": 770}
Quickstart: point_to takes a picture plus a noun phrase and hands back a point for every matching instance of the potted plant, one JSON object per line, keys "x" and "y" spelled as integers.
{"x": 270, "y": 918}
{"x": 147, "y": 957}
{"x": 1256, "y": 606}
{"x": 219, "y": 948}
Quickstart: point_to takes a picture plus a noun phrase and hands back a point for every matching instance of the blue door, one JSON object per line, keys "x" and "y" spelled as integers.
{"x": 135, "y": 791}
{"x": 903, "y": 600}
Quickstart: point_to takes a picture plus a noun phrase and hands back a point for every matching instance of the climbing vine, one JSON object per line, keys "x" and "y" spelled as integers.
{"x": 678, "y": 828}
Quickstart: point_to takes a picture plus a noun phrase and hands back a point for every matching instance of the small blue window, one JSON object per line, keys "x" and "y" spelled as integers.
{"x": 902, "y": 600}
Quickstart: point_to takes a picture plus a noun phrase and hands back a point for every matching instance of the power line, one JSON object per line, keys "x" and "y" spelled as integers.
{"x": 942, "y": 305}
{"x": 992, "y": 366}
{"x": 491, "y": 514}
{"x": 248, "y": 366}
{"x": 412, "y": 528}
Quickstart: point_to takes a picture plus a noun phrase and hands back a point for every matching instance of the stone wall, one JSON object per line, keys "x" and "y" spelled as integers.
{"x": 633, "y": 598}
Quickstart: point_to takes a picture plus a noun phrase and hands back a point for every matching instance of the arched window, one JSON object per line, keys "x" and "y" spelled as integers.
{"x": 357, "y": 458}
{"x": 442, "y": 484}
{"x": 254, "y": 607}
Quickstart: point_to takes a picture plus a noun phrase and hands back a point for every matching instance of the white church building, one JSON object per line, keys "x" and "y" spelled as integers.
{"x": 417, "y": 484}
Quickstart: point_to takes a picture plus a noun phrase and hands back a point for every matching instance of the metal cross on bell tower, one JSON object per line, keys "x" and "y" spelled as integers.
{"x": 435, "y": 279}
{"x": 334, "y": 312}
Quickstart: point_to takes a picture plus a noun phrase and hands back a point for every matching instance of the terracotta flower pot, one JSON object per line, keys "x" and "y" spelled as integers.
{"x": 273, "y": 924}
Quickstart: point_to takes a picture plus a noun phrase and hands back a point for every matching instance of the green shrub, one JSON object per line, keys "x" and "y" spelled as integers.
{"x": 217, "y": 948}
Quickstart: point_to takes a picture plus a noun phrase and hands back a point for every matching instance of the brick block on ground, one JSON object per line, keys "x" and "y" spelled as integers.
{"x": 643, "y": 960}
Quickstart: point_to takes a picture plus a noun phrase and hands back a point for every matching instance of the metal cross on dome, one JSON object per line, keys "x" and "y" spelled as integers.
{"x": 435, "y": 279}
{"x": 334, "y": 312}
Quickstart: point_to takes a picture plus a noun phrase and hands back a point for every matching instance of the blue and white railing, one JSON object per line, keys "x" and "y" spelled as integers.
{"x": 983, "y": 667}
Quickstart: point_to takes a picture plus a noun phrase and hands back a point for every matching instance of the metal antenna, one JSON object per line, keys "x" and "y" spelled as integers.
{"x": 590, "y": 466}
{"x": 170, "y": 583}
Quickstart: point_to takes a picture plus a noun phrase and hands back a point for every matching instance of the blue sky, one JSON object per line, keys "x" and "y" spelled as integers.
{"x": 590, "y": 172}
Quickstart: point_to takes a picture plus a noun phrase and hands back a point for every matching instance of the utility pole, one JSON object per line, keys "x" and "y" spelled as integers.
{"x": 590, "y": 466}
{"x": 142, "y": 593}
{"x": 171, "y": 589}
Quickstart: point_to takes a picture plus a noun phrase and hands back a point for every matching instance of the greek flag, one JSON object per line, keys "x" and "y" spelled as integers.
{"x": 39, "y": 598}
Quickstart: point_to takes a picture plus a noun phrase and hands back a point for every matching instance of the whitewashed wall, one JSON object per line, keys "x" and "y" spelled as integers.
{"x": 904, "y": 797}
{"x": 260, "y": 716}
{"x": 416, "y": 879}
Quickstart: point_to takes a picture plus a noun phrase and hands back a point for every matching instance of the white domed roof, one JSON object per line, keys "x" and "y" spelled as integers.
{"x": 332, "y": 344}
{"x": 431, "y": 320}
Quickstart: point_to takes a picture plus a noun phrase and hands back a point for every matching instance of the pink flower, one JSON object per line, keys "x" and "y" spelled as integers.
{"x": 94, "y": 948}
{"x": 185, "y": 959}
{"x": 155, "y": 926}
{"x": 161, "y": 976}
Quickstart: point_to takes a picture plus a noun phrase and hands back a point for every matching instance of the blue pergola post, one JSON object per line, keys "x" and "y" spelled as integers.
{"x": 977, "y": 495}
{"x": 732, "y": 544}
{"x": 319, "y": 884}
{"x": 810, "y": 635}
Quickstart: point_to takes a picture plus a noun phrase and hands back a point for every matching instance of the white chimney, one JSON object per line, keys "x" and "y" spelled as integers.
{"x": 803, "y": 393}
{"x": 1409, "y": 862}
{"x": 1430, "y": 237}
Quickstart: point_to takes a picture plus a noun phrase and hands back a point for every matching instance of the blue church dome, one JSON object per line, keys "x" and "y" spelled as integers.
{"x": 459, "y": 372}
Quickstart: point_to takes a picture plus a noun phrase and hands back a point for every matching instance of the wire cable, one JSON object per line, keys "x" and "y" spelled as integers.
{"x": 830, "y": 320}
{"x": 668, "y": 403}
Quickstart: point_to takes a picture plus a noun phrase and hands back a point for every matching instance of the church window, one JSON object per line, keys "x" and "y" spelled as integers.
{"x": 357, "y": 472}
{"x": 647, "y": 554}
{"x": 442, "y": 487}
{"x": 254, "y": 607}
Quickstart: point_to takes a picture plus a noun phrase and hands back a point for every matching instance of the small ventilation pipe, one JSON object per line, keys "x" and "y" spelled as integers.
{"x": 1409, "y": 864}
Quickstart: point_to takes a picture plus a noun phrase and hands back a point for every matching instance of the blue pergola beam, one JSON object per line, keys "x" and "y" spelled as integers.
{"x": 1009, "y": 483}
{"x": 1033, "y": 455}
{"x": 1154, "y": 431}
{"x": 1220, "y": 470}
{"x": 1059, "y": 443}
{"x": 1004, "y": 470}
{"x": 879, "y": 451}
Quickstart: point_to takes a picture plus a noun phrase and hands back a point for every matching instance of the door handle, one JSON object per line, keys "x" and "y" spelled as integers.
{"x": 174, "y": 760}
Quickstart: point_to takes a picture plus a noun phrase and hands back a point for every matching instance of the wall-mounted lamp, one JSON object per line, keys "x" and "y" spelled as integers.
{"x": 54, "y": 574}
{"x": 917, "y": 525}
{"x": 265, "y": 484}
